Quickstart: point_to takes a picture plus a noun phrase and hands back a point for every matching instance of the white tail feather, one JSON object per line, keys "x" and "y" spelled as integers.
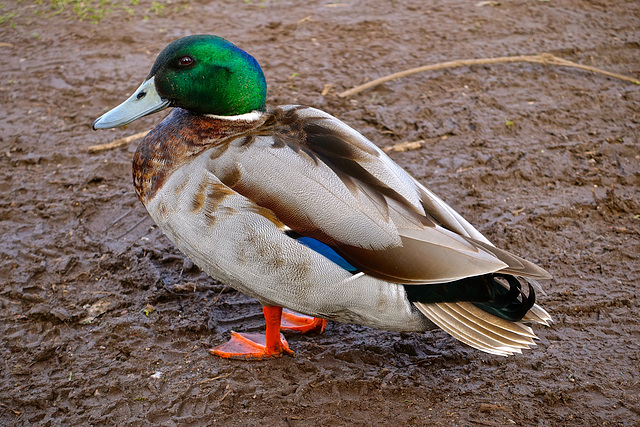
{"x": 537, "y": 314}
{"x": 479, "y": 329}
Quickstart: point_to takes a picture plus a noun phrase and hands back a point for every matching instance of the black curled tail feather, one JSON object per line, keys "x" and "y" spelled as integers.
{"x": 512, "y": 304}
{"x": 499, "y": 294}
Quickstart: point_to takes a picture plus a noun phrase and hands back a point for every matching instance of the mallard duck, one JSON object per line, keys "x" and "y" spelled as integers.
{"x": 295, "y": 208}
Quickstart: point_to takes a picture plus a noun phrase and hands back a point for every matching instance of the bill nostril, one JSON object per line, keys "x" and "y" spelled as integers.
{"x": 141, "y": 95}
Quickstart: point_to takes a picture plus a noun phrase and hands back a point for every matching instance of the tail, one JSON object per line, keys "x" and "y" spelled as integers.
{"x": 483, "y": 312}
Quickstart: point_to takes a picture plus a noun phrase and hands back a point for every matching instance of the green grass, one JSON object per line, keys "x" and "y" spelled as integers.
{"x": 22, "y": 11}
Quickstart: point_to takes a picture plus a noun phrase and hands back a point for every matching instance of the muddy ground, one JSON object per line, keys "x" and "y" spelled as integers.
{"x": 103, "y": 322}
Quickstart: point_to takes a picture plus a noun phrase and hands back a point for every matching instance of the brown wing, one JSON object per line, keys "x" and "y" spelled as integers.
{"x": 325, "y": 180}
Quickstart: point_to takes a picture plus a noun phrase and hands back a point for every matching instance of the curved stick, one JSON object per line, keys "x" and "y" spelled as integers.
{"x": 543, "y": 58}
{"x": 116, "y": 142}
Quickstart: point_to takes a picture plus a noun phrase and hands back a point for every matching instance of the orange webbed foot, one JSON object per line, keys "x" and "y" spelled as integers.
{"x": 257, "y": 346}
{"x": 294, "y": 322}
{"x": 250, "y": 346}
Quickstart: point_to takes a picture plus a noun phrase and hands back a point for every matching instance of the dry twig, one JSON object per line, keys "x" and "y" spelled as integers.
{"x": 543, "y": 58}
{"x": 116, "y": 143}
{"x": 404, "y": 146}
{"x": 214, "y": 378}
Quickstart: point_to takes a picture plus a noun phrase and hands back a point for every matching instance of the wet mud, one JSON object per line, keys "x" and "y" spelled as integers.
{"x": 103, "y": 322}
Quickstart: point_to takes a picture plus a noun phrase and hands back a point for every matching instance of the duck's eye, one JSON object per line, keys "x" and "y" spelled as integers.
{"x": 185, "y": 61}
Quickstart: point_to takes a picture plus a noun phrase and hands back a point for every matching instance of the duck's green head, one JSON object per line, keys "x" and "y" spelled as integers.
{"x": 204, "y": 74}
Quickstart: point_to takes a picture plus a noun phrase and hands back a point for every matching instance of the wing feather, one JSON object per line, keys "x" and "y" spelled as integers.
{"x": 326, "y": 181}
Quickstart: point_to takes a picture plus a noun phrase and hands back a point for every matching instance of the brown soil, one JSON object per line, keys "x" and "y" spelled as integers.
{"x": 103, "y": 322}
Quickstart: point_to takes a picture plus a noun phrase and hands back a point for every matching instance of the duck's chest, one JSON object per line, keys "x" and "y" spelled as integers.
{"x": 225, "y": 233}
{"x": 175, "y": 143}
{"x": 220, "y": 230}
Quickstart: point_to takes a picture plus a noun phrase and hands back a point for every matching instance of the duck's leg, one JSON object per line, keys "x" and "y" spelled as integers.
{"x": 294, "y": 322}
{"x": 257, "y": 346}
